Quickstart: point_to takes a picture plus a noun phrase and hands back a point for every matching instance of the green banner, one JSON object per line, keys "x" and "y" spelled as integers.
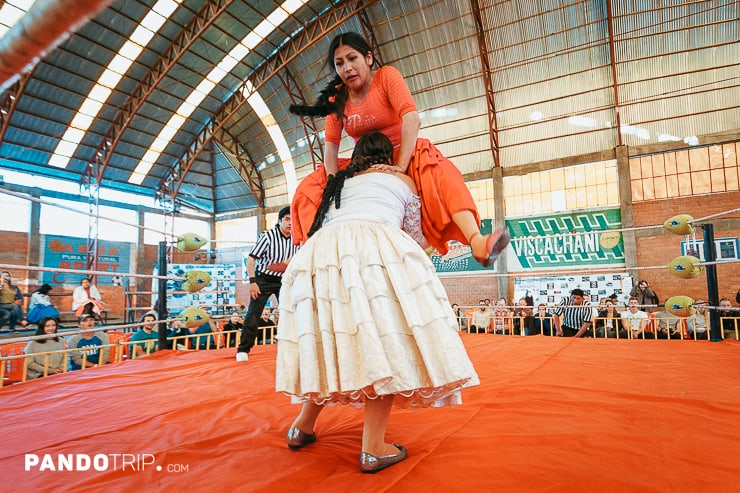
{"x": 559, "y": 240}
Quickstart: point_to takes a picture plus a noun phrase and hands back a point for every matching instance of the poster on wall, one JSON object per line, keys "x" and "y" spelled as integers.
{"x": 578, "y": 239}
{"x": 552, "y": 290}
{"x": 67, "y": 252}
{"x": 217, "y": 298}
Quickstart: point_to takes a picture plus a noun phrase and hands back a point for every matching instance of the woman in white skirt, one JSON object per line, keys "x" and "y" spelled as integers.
{"x": 364, "y": 319}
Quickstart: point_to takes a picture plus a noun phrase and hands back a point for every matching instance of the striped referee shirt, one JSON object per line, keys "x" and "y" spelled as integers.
{"x": 574, "y": 316}
{"x": 272, "y": 248}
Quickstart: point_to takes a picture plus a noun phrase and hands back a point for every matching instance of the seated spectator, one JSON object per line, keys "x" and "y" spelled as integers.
{"x": 698, "y": 322}
{"x": 543, "y": 320}
{"x": 92, "y": 341}
{"x": 608, "y": 322}
{"x": 667, "y": 325}
{"x": 202, "y": 342}
{"x": 146, "y": 337}
{"x": 481, "y": 319}
{"x": 501, "y": 323}
{"x": 523, "y": 319}
{"x": 728, "y": 319}
{"x": 265, "y": 327}
{"x": 40, "y": 365}
{"x": 461, "y": 318}
{"x": 86, "y": 299}
{"x": 11, "y": 302}
{"x": 635, "y": 320}
{"x": 645, "y": 296}
{"x": 40, "y": 306}
{"x": 234, "y": 325}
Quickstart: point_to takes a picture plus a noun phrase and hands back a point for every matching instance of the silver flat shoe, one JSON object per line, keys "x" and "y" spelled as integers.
{"x": 371, "y": 464}
{"x": 296, "y": 439}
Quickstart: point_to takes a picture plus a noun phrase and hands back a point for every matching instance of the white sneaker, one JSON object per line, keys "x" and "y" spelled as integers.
{"x": 241, "y": 357}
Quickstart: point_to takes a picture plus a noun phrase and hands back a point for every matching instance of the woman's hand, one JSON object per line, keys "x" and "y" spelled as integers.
{"x": 387, "y": 168}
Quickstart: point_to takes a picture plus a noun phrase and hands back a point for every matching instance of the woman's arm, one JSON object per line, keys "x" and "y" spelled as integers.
{"x": 331, "y": 156}
{"x": 410, "y": 125}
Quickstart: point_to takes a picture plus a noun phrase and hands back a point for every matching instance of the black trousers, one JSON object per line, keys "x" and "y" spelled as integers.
{"x": 268, "y": 285}
{"x": 568, "y": 331}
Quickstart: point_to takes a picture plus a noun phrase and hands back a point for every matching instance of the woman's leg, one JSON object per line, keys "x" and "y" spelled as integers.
{"x": 306, "y": 419}
{"x": 377, "y": 412}
{"x": 479, "y": 244}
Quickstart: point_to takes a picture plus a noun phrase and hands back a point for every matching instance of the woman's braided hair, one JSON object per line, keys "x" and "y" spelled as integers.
{"x": 335, "y": 89}
{"x": 372, "y": 148}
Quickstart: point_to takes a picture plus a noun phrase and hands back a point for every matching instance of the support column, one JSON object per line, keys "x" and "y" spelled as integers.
{"x": 499, "y": 216}
{"x": 625, "y": 208}
{"x": 33, "y": 250}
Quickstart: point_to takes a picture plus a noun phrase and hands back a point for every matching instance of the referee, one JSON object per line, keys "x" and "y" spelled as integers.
{"x": 266, "y": 263}
{"x": 573, "y": 319}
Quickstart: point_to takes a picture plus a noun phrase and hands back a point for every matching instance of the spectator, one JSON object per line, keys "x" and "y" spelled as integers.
{"x": 543, "y": 320}
{"x": 202, "y": 341}
{"x": 91, "y": 342}
{"x": 146, "y": 337}
{"x": 40, "y": 306}
{"x": 522, "y": 318}
{"x": 231, "y": 327}
{"x": 40, "y": 365}
{"x": 86, "y": 299}
{"x": 462, "y": 319}
{"x": 265, "y": 327}
{"x": 729, "y": 319}
{"x": 697, "y": 323}
{"x": 645, "y": 296}
{"x": 11, "y": 302}
{"x": 635, "y": 320}
{"x": 501, "y": 323}
{"x": 667, "y": 325}
{"x": 481, "y": 319}
{"x": 573, "y": 316}
{"x": 608, "y": 322}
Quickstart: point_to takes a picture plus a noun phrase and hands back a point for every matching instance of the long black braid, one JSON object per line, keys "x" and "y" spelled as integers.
{"x": 335, "y": 88}
{"x": 323, "y": 105}
{"x": 372, "y": 148}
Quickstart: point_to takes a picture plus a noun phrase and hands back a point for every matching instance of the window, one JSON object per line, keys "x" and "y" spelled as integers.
{"x": 726, "y": 249}
{"x": 697, "y": 171}
{"x": 575, "y": 187}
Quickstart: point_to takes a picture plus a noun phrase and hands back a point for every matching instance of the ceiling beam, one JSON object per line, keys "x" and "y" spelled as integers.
{"x": 294, "y": 47}
{"x": 148, "y": 84}
{"x": 10, "y": 101}
{"x": 480, "y": 34}
{"x": 46, "y": 24}
{"x": 308, "y": 123}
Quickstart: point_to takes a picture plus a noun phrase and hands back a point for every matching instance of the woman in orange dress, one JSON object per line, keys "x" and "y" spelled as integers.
{"x": 361, "y": 99}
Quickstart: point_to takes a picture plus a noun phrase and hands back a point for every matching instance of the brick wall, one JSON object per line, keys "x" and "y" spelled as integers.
{"x": 659, "y": 247}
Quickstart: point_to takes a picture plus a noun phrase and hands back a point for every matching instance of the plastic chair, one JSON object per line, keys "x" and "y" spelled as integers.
{"x": 119, "y": 339}
{"x": 15, "y": 369}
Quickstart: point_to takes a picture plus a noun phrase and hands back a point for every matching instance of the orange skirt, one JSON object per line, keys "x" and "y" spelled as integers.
{"x": 439, "y": 183}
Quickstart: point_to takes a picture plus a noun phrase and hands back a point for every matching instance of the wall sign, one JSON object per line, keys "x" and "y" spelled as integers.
{"x": 567, "y": 240}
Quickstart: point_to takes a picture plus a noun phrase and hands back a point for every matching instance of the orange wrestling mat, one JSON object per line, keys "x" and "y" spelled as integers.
{"x": 550, "y": 415}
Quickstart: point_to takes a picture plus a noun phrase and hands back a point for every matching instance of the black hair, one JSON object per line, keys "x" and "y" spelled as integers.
{"x": 335, "y": 88}
{"x": 372, "y": 148}
{"x": 44, "y": 289}
{"x": 40, "y": 329}
{"x": 577, "y": 292}
{"x": 285, "y": 211}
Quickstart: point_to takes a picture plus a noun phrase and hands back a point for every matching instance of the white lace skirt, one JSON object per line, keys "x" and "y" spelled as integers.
{"x": 363, "y": 314}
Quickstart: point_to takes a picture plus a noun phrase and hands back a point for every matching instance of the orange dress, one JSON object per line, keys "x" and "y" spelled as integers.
{"x": 441, "y": 187}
